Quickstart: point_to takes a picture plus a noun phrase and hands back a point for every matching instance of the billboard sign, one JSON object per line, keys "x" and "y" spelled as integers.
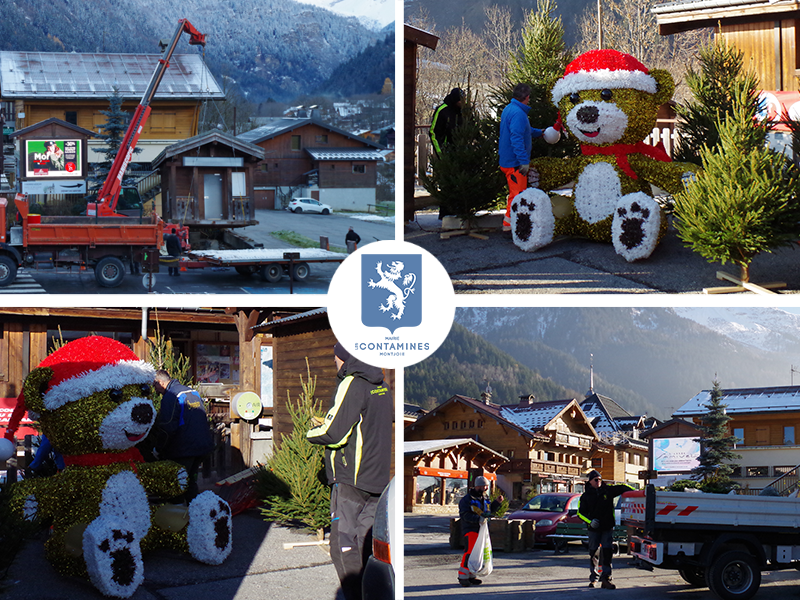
{"x": 675, "y": 455}
{"x": 53, "y": 158}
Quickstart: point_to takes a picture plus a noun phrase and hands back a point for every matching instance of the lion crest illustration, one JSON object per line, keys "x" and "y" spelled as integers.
{"x": 398, "y": 293}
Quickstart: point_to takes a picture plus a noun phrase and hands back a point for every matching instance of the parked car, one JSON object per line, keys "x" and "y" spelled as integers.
{"x": 378, "y": 580}
{"x": 298, "y": 205}
{"x": 548, "y": 510}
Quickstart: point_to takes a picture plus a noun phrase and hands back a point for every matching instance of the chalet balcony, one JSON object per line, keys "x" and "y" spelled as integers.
{"x": 239, "y": 210}
{"x": 531, "y": 466}
{"x": 573, "y": 440}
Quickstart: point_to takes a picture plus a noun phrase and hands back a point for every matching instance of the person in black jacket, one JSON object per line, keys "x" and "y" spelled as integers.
{"x": 446, "y": 117}
{"x": 351, "y": 240}
{"x": 182, "y": 432}
{"x": 173, "y": 244}
{"x": 596, "y": 508}
{"x": 473, "y": 508}
{"x": 357, "y": 435}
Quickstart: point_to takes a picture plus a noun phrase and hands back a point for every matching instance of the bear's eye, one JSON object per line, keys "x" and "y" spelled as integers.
{"x": 574, "y": 97}
{"x": 145, "y": 389}
{"x": 606, "y": 95}
{"x": 116, "y": 395}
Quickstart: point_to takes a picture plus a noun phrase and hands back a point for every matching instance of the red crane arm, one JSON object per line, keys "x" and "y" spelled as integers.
{"x": 109, "y": 194}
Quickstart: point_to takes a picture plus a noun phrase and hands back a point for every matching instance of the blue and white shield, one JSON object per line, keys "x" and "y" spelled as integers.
{"x": 390, "y": 290}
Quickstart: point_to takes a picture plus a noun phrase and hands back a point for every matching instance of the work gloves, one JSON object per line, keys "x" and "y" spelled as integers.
{"x": 595, "y": 524}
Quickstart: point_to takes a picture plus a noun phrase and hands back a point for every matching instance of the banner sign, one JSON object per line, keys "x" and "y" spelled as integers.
{"x": 675, "y": 455}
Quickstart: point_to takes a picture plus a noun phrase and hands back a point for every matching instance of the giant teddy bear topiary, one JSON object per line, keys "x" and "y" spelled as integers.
{"x": 93, "y": 399}
{"x": 608, "y": 101}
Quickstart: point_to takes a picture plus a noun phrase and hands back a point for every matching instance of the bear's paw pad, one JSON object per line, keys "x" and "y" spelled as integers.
{"x": 532, "y": 220}
{"x": 635, "y": 226}
{"x": 113, "y": 558}
{"x": 210, "y": 533}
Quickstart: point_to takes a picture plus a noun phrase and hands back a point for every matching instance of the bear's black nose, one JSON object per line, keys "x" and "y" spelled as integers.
{"x": 587, "y": 114}
{"x": 142, "y": 413}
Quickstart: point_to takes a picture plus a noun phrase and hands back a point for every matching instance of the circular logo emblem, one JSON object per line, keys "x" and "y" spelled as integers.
{"x": 391, "y": 304}
{"x": 70, "y": 166}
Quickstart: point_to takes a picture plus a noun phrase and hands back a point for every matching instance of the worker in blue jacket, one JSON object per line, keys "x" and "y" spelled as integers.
{"x": 473, "y": 508}
{"x": 183, "y": 433}
{"x": 596, "y": 508}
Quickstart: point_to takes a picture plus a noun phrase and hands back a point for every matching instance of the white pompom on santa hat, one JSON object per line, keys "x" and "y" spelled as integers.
{"x": 92, "y": 364}
{"x": 604, "y": 69}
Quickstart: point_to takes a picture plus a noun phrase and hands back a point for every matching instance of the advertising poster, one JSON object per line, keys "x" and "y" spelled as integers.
{"x": 675, "y": 455}
{"x": 53, "y": 158}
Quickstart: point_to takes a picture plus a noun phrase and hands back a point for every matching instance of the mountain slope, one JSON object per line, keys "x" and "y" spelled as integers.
{"x": 367, "y": 70}
{"x": 270, "y": 48}
{"x": 652, "y": 352}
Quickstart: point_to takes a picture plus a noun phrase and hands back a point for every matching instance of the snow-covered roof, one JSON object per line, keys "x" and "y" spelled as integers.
{"x": 688, "y": 5}
{"x": 535, "y": 416}
{"x": 210, "y": 137}
{"x": 280, "y": 125}
{"x": 746, "y": 400}
{"x": 65, "y": 75}
{"x": 345, "y": 154}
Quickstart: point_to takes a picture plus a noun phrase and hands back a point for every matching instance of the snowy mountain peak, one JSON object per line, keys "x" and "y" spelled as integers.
{"x": 373, "y": 14}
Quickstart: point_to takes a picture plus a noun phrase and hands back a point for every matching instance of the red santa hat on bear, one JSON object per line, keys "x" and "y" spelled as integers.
{"x": 604, "y": 69}
{"x": 92, "y": 364}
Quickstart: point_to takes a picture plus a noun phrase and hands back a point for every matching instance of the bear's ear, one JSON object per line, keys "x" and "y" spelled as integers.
{"x": 34, "y": 388}
{"x": 665, "y": 85}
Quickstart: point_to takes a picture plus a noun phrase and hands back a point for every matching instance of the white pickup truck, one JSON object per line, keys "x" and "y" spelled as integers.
{"x": 715, "y": 540}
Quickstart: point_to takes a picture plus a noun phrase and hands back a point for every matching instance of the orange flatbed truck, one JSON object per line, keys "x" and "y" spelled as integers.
{"x": 104, "y": 245}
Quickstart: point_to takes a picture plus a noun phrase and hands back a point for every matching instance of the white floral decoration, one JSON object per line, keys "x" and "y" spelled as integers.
{"x": 209, "y": 533}
{"x": 532, "y": 220}
{"x": 638, "y": 216}
{"x": 597, "y": 192}
{"x": 608, "y": 127}
{"x": 111, "y": 542}
{"x": 119, "y": 431}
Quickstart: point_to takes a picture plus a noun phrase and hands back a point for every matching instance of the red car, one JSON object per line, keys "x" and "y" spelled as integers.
{"x": 548, "y": 510}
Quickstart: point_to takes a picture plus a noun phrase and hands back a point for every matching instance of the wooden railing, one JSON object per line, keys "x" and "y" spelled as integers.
{"x": 187, "y": 209}
{"x": 786, "y": 483}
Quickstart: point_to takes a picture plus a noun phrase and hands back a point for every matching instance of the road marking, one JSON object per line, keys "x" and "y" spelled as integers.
{"x": 23, "y": 284}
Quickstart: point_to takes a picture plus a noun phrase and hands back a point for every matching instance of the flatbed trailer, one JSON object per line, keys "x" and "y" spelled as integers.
{"x": 271, "y": 264}
{"x": 722, "y": 541}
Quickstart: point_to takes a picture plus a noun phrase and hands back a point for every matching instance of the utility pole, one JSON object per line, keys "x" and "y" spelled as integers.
{"x": 599, "y": 25}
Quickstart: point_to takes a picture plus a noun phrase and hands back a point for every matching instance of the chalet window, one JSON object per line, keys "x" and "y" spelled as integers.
{"x": 161, "y": 122}
{"x": 738, "y": 433}
{"x": 480, "y": 424}
{"x": 757, "y": 471}
{"x": 264, "y": 167}
{"x": 446, "y": 425}
{"x": 550, "y": 456}
{"x": 455, "y": 424}
{"x": 779, "y": 471}
{"x": 597, "y": 463}
{"x": 71, "y": 116}
{"x": 359, "y": 168}
{"x": 321, "y": 139}
{"x": 788, "y": 435}
{"x": 509, "y": 453}
{"x": 472, "y": 424}
{"x": 637, "y": 460}
{"x": 295, "y": 142}
{"x": 463, "y": 424}
{"x": 737, "y": 472}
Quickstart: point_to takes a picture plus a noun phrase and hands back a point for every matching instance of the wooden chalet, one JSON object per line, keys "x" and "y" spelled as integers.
{"x": 765, "y": 421}
{"x": 436, "y": 472}
{"x": 766, "y": 31}
{"x": 549, "y": 445}
{"x": 413, "y": 38}
{"x": 207, "y": 181}
{"x": 303, "y": 350}
{"x": 304, "y": 157}
{"x": 75, "y": 87}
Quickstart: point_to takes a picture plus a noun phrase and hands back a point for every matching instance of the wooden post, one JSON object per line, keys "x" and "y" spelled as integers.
{"x": 240, "y": 435}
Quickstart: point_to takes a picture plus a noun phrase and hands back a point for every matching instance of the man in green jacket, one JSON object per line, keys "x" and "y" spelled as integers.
{"x": 357, "y": 435}
{"x": 596, "y": 508}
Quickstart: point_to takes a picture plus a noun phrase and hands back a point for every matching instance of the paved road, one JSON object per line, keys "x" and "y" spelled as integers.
{"x": 570, "y": 265}
{"x": 220, "y": 280}
{"x": 431, "y": 569}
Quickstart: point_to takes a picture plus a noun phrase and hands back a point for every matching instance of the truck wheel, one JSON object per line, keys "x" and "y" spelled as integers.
{"x": 301, "y": 271}
{"x": 734, "y": 575}
{"x": 8, "y": 270}
{"x": 272, "y": 273}
{"x": 109, "y": 271}
{"x": 693, "y": 575}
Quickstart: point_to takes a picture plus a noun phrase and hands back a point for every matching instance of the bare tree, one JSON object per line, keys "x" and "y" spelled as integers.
{"x": 501, "y": 41}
